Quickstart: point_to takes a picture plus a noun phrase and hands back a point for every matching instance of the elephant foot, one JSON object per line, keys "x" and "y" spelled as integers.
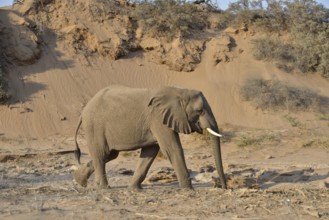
{"x": 136, "y": 188}
{"x": 186, "y": 185}
{"x": 102, "y": 186}
{"x": 82, "y": 175}
{"x": 80, "y": 179}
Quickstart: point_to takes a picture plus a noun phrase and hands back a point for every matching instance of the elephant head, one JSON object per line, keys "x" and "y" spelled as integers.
{"x": 186, "y": 111}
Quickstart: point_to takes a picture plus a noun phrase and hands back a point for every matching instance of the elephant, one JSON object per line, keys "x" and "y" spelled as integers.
{"x": 120, "y": 118}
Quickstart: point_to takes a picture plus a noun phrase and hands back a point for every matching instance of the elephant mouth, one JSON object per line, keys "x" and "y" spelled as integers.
{"x": 197, "y": 128}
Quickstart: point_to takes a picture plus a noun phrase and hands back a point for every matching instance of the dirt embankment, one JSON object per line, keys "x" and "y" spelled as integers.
{"x": 66, "y": 42}
{"x": 75, "y": 50}
{"x": 106, "y": 28}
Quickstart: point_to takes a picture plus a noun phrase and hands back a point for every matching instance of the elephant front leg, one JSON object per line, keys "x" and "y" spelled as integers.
{"x": 82, "y": 175}
{"x": 176, "y": 157}
{"x": 147, "y": 157}
{"x": 171, "y": 146}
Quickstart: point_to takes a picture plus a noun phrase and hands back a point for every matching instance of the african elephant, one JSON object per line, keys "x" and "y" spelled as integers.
{"x": 119, "y": 118}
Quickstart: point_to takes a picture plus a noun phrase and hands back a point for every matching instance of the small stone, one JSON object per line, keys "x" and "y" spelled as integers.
{"x": 207, "y": 168}
{"x": 5, "y": 158}
{"x": 26, "y": 109}
{"x": 124, "y": 171}
{"x": 244, "y": 28}
{"x": 231, "y": 30}
{"x": 163, "y": 175}
{"x": 269, "y": 157}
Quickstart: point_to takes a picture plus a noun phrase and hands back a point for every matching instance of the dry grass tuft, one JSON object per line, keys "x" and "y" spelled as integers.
{"x": 273, "y": 95}
{"x": 246, "y": 140}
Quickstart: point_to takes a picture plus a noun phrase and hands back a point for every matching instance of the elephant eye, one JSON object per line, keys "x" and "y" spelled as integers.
{"x": 199, "y": 111}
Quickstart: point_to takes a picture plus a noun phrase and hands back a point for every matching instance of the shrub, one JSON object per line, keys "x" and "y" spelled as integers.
{"x": 303, "y": 56}
{"x": 245, "y": 12}
{"x": 308, "y": 25}
{"x": 256, "y": 140}
{"x": 169, "y": 18}
{"x": 304, "y": 22}
{"x": 271, "y": 48}
{"x": 273, "y": 94}
{"x": 293, "y": 121}
{"x": 322, "y": 141}
{"x": 219, "y": 20}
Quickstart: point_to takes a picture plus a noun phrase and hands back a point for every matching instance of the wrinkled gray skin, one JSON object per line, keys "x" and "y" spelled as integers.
{"x": 119, "y": 118}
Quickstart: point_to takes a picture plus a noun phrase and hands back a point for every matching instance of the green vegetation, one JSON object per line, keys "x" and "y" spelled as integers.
{"x": 298, "y": 30}
{"x": 272, "y": 48}
{"x": 169, "y": 18}
{"x": 273, "y": 94}
{"x": 293, "y": 121}
{"x": 321, "y": 141}
{"x": 322, "y": 116}
{"x": 256, "y": 140}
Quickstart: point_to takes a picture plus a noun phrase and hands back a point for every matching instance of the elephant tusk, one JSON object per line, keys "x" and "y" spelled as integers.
{"x": 214, "y": 133}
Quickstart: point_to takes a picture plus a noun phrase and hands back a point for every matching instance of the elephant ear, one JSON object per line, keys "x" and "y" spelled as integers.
{"x": 172, "y": 111}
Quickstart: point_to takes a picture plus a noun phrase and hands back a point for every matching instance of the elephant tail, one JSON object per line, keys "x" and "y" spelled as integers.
{"x": 77, "y": 151}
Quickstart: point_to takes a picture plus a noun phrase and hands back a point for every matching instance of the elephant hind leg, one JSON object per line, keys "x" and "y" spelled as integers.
{"x": 82, "y": 175}
{"x": 100, "y": 174}
{"x": 100, "y": 169}
{"x": 147, "y": 157}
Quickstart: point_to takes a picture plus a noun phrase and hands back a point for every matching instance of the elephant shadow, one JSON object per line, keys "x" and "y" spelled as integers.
{"x": 253, "y": 178}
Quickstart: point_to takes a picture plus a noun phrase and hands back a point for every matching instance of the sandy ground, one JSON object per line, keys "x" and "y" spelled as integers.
{"x": 265, "y": 183}
{"x": 282, "y": 174}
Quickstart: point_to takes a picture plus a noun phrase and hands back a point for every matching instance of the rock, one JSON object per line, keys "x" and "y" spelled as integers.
{"x": 244, "y": 28}
{"x": 231, "y": 30}
{"x": 5, "y": 158}
{"x": 26, "y": 7}
{"x": 163, "y": 175}
{"x": 269, "y": 157}
{"x": 179, "y": 54}
{"x": 311, "y": 211}
{"x": 124, "y": 171}
{"x": 74, "y": 167}
{"x": 25, "y": 54}
{"x": 207, "y": 168}
{"x": 26, "y": 109}
{"x": 203, "y": 177}
{"x": 20, "y": 44}
{"x": 223, "y": 51}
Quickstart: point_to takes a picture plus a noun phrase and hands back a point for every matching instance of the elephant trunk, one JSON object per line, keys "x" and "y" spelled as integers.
{"x": 211, "y": 127}
{"x": 208, "y": 122}
{"x": 215, "y": 142}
